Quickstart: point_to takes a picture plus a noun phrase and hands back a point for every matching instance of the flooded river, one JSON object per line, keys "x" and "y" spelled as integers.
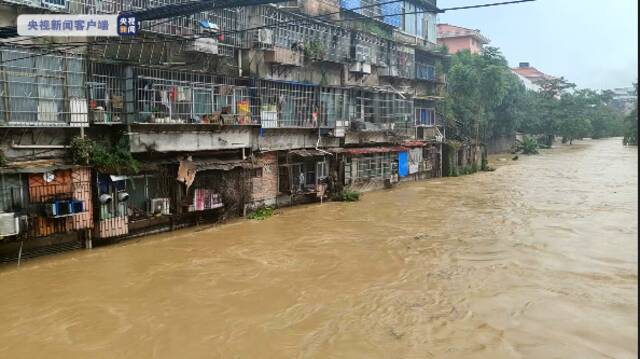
{"x": 535, "y": 260}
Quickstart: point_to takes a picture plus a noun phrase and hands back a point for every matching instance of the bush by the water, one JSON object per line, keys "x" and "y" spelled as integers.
{"x": 347, "y": 195}
{"x": 261, "y": 213}
{"x": 528, "y": 146}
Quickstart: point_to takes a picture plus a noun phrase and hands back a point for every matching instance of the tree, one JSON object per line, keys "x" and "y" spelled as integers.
{"x": 631, "y": 124}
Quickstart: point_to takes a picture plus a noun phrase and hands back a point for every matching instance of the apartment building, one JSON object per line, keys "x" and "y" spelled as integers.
{"x": 222, "y": 111}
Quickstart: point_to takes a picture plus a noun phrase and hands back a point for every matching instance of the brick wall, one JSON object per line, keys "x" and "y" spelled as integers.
{"x": 265, "y": 188}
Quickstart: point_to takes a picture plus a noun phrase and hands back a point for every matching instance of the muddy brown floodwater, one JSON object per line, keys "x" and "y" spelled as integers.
{"x": 535, "y": 260}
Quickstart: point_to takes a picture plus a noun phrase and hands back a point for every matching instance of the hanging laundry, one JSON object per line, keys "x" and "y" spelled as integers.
{"x": 164, "y": 99}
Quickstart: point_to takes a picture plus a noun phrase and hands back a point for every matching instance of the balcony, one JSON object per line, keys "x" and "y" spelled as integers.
{"x": 42, "y": 90}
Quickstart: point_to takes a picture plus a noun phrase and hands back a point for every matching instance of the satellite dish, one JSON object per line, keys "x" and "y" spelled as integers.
{"x": 49, "y": 177}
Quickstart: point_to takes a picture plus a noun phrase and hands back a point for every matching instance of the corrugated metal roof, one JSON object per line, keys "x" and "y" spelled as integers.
{"x": 36, "y": 166}
{"x": 308, "y": 153}
{"x": 368, "y": 150}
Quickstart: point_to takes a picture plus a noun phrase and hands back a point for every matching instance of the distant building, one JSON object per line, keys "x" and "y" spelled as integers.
{"x": 624, "y": 99}
{"x": 457, "y": 38}
{"x": 531, "y": 73}
{"x": 528, "y": 84}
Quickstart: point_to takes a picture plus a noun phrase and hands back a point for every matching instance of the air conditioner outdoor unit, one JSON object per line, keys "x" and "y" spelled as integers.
{"x": 265, "y": 36}
{"x": 360, "y": 67}
{"x": 9, "y": 224}
{"x": 159, "y": 206}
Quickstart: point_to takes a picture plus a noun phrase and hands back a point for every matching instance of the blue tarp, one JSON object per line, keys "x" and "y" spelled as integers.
{"x": 403, "y": 164}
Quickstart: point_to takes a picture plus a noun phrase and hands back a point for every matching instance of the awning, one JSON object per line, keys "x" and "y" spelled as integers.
{"x": 117, "y": 178}
{"x": 369, "y": 150}
{"x": 223, "y": 165}
{"x": 201, "y": 164}
{"x": 308, "y": 153}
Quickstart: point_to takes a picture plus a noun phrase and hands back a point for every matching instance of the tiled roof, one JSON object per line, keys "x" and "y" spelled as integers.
{"x": 532, "y": 73}
{"x": 450, "y": 31}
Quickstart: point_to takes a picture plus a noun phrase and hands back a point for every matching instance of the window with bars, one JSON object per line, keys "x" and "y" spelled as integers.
{"x": 47, "y": 90}
{"x": 425, "y": 117}
{"x": 366, "y": 167}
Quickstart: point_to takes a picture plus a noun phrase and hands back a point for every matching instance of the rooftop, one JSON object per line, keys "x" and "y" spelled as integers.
{"x": 531, "y": 73}
{"x": 446, "y": 31}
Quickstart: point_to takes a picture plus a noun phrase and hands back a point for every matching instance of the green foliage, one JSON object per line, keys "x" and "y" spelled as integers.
{"x": 81, "y": 150}
{"x": 314, "y": 50}
{"x": 631, "y": 125}
{"x": 631, "y": 129}
{"x": 262, "y": 213}
{"x": 104, "y": 157}
{"x": 347, "y": 195}
{"x": 486, "y": 99}
{"x": 528, "y": 146}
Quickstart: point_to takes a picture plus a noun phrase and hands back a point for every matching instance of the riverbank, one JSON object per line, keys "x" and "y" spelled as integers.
{"x": 537, "y": 259}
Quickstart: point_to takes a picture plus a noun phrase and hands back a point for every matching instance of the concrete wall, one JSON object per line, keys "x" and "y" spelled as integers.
{"x": 286, "y": 139}
{"x": 456, "y": 44}
{"x": 190, "y": 141}
{"x": 35, "y": 137}
{"x": 366, "y": 138}
{"x": 501, "y": 144}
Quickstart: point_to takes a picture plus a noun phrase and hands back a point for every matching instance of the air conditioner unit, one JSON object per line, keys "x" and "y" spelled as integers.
{"x": 265, "y": 36}
{"x": 159, "y": 206}
{"x": 9, "y": 224}
{"x": 360, "y": 67}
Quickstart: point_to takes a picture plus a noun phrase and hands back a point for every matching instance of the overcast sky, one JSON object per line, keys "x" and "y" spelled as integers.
{"x": 591, "y": 43}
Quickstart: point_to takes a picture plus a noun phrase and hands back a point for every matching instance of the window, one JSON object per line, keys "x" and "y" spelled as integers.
{"x": 425, "y": 117}
{"x": 410, "y": 18}
{"x": 257, "y": 173}
{"x": 321, "y": 169}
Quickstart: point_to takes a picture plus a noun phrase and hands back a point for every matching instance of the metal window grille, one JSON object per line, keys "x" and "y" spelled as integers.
{"x": 321, "y": 40}
{"x": 106, "y": 91}
{"x": 367, "y": 167}
{"x": 385, "y": 110}
{"x": 46, "y": 90}
{"x": 164, "y": 96}
{"x": 284, "y": 104}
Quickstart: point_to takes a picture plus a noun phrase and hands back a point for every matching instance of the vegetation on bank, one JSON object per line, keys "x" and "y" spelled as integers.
{"x": 262, "y": 213}
{"x": 631, "y": 125}
{"x": 528, "y": 146}
{"x": 487, "y": 100}
{"x": 347, "y": 195}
